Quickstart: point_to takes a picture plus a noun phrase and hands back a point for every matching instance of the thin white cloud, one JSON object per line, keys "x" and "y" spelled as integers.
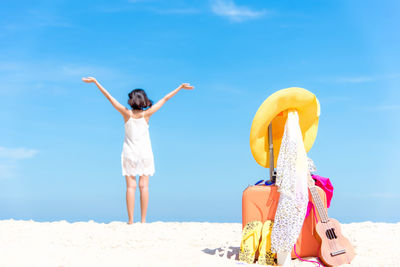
{"x": 7, "y": 170}
{"x": 16, "y": 153}
{"x": 75, "y": 70}
{"x": 139, "y": 1}
{"x": 9, "y": 158}
{"x": 35, "y": 19}
{"x": 45, "y": 19}
{"x": 146, "y": 7}
{"x": 178, "y": 11}
{"x": 32, "y": 75}
{"x": 385, "y": 195}
{"x": 374, "y": 195}
{"x": 387, "y": 107}
{"x": 359, "y": 79}
{"x": 366, "y": 79}
{"x": 9, "y": 66}
{"x": 228, "y": 9}
{"x": 52, "y": 70}
{"x": 226, "y": 89}
{"x": 334, "y": 99}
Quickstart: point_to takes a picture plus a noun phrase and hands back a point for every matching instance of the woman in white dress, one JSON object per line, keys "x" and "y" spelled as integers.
{"x": 137, "y": 155}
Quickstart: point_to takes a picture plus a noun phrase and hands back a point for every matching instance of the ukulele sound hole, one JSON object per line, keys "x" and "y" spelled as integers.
{"x": 330, "y": 233}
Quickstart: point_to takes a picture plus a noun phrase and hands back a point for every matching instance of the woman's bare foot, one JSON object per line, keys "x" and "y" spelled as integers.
{"x": 129, "y": 222}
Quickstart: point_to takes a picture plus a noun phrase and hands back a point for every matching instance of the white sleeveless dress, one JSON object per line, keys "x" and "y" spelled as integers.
{"x": 137, "y": 155}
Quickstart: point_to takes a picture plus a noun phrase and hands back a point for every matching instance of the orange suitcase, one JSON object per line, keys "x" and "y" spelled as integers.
{"x": 259, "y": 203}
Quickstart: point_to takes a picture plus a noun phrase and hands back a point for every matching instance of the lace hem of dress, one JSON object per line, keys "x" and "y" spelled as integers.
{"x": 138, "y": 174}
{"x": 139, "y": 167}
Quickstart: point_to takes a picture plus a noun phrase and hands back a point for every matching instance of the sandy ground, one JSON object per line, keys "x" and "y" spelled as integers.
{"x": 63, "y": 244}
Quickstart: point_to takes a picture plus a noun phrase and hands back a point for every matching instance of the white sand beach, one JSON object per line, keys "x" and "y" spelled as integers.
{"x": 63, "y": 244}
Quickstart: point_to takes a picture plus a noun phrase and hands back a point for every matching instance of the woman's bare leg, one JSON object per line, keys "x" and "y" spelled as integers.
{"x": 144, "y": 195}
{"x": 130, "y": 196}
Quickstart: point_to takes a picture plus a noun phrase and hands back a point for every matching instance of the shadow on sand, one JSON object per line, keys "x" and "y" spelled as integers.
{"x": 224, "y": 252}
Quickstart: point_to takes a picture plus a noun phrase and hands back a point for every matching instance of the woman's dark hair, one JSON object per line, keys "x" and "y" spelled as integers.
{"x": 138, "y": 100}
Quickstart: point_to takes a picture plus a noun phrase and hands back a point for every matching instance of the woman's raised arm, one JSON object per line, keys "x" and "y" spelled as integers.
{"x": 121, "y": 109}
{"x": 162, "y": 101}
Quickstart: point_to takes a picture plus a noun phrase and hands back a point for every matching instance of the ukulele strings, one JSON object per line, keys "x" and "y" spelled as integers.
{"x": 324, "y": 218}
{"x": 322, "y": 214}
{"x": 328, "y": 227}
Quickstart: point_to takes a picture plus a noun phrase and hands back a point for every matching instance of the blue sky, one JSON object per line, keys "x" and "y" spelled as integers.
{"x": 60, "y": 140}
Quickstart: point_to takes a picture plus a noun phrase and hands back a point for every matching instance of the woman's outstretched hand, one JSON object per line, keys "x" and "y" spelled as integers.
{"x": 186, "y": 86}
{"x": 89, "y": 80}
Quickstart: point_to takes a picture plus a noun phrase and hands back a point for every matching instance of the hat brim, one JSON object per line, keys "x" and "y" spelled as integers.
{"x": 274, "y": 109}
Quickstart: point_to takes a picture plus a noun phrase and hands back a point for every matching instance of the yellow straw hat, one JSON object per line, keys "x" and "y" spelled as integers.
{"x": 275, "y": 109}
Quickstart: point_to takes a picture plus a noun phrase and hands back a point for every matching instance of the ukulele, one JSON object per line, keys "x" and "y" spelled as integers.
{"x": 335, "y": 248}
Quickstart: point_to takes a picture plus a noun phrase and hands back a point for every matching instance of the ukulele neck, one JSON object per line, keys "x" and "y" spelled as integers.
{"x": 323, "y": 214}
